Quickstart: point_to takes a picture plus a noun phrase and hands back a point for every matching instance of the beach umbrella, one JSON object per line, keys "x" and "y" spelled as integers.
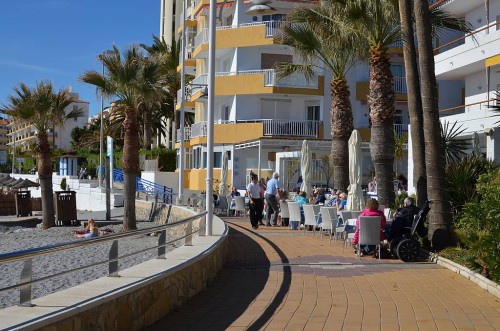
{"x": 476, "y": 148}
{"x": 355, "y": 200}
{"x": 223, "y": 178}
{"x": 305, "y": 168}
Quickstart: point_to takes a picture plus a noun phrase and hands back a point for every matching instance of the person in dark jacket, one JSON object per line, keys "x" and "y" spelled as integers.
{"x": 403, "y": 218}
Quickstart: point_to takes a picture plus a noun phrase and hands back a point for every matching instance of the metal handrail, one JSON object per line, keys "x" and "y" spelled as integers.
{"x": 27, "y": 255}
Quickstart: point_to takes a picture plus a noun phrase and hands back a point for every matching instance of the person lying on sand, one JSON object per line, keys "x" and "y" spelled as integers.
{"x": 91, "y": 231}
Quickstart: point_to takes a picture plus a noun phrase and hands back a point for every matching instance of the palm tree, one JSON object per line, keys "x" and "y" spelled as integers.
{"x": 124, "y": 82}
{"x": 43, "y": 108}
{"x": 310, "y": 33}
{"x": 441, "y": 218}
{"x": 374, "y": 25}
{"x": 167, "y": 58}
{"x": 414, "y": 101}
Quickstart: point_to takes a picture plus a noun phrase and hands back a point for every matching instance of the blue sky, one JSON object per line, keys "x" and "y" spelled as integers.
{"x": 58, "y": 40}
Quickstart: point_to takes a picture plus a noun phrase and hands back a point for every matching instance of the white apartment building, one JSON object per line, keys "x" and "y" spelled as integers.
{"x": 24, "y": 135}
{"x": 259, "y": 119}
{"x": 471, "y": 65}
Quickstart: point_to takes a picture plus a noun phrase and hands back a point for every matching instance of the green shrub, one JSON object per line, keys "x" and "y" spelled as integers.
{"x": 462, "y": 176}
{"x": 479, "y": 224}
{"x": 63, "y": 184}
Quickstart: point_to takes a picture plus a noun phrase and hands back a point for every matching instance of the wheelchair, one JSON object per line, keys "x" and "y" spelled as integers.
{"x": 406, "y": 246}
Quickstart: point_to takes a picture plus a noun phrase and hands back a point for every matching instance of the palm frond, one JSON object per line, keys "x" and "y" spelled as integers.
{"x": 453, "y": 146}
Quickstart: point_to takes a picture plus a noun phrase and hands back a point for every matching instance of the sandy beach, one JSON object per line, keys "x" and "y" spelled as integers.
{"x": 18, "y": 238}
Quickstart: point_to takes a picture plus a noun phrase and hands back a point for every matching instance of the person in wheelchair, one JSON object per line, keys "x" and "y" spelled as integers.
{"x": 403, "y": 218}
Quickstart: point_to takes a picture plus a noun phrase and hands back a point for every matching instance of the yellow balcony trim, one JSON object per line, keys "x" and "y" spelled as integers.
{"x": 491, "y": 61}
{"x": 201, "y": 48}
{"x": 191, "y": 23}
{"x": 186, "y": 104}
{"x": 187, "y": 63}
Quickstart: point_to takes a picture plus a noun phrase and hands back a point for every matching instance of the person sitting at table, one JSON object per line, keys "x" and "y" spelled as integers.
{"x": 333, "y": 200}
{"x": 403, "y": 218}
{"x": 301, "y": 199}
{"x": 320, "y": 197}
{"x": 370, "y": 210}
{"x": 235, "y": 193}
{"x": 341, "y": 203}
{"x": 91, "y": 231}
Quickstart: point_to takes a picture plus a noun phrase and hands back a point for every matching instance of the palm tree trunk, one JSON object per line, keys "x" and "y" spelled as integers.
{"x": 414, "y": 100}
{"x": 381, "y": 101}
{"x": 440, "y": 223}
{"x": 341, "y": 131}
{"x": 130, "y": 167}
{"x": 45, "y": 176}
{"x": 148, "y": 140}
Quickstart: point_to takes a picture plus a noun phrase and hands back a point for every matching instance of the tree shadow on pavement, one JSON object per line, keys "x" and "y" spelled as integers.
{"x": 237, "y": 285}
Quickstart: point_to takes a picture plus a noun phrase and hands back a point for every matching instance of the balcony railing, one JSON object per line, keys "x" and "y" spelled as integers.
{"x": 291, "y": 128}
{"x": 273, "y": 29}
{"x": 270, "y": 79}
{"x": 399, "y": 84}
{"x": 199, "y": 129}
{"x": 400, "y": 129}
{"x": 187, "y": 133}
{"x": 272, "y": 127}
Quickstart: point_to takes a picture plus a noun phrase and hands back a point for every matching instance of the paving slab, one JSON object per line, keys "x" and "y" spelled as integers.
{"x": 280, "y": 279}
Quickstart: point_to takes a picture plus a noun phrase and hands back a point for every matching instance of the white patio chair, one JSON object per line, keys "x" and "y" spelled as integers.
{"x": 284, "y": 213}
{"x": 223, "y": 205}
{"x": 369, "y": 232}
{"x": 355, "y": 214}
{"x": 329, "y": 220}
{"x": 239, "y": 205}
{"x": 310, "y": 217}
{"x": 294, "y": 212}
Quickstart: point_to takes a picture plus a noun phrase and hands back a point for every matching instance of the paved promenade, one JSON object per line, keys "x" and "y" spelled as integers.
{"x": 279, "y": 279}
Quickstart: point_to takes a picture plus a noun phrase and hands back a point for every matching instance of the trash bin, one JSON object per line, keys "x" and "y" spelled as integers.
{"x": 65, "y": 207}
{"x": 23, "y": 203}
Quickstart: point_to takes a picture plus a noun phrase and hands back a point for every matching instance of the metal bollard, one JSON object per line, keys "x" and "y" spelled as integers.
{"x": 189, "y": 233}
{"x": 113, "y": 255}
{"x": 26, "y": 276}
{"x": 162, "y": 239}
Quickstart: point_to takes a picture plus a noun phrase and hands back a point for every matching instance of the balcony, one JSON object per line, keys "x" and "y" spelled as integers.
{"x": 398, "y": 86}
{"x": 244, "y": 130}
{"x": 187, "y": 134}
{"x": 243, "y": 35}
{"x": 465, "y": 55}
{"x": 257, "y": 82}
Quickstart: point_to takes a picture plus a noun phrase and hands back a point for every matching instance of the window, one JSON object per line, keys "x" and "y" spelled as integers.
{"x": 270, "y": 61}
{"x": 313, "y": 113}
{"x": 275, "y": 17}
{"x": 275, "y": 109}
{"x": 225, "y": 114}
{"x": 217, "y": 159}
{"x": 398, "y": 117}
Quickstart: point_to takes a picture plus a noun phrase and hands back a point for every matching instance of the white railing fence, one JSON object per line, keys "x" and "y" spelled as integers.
{"x": 399, "y": 84}
{"x": 291, "y": 128}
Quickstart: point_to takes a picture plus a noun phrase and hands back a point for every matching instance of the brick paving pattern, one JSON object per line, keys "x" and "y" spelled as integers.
{"x": 280, "y": 279}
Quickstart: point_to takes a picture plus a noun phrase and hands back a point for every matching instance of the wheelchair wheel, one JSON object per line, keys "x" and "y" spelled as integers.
{"x": 408, "y": 250}
{"x": 393, "y": 247}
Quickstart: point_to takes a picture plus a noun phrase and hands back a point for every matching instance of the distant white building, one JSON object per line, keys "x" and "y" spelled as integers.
{"x": 24, "y": 135}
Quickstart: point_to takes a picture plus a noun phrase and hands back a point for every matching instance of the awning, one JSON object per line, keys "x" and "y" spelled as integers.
{"x": 491, "y": 61}
{"x": 204, "y": 10}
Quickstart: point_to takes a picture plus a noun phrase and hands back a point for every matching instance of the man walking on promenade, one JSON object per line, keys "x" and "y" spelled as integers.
{"x": 272, "y": 203}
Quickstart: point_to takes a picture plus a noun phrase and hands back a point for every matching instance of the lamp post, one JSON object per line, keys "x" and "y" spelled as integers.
{"x": 182, "y": 150}
{"x": 101, "y": 133}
